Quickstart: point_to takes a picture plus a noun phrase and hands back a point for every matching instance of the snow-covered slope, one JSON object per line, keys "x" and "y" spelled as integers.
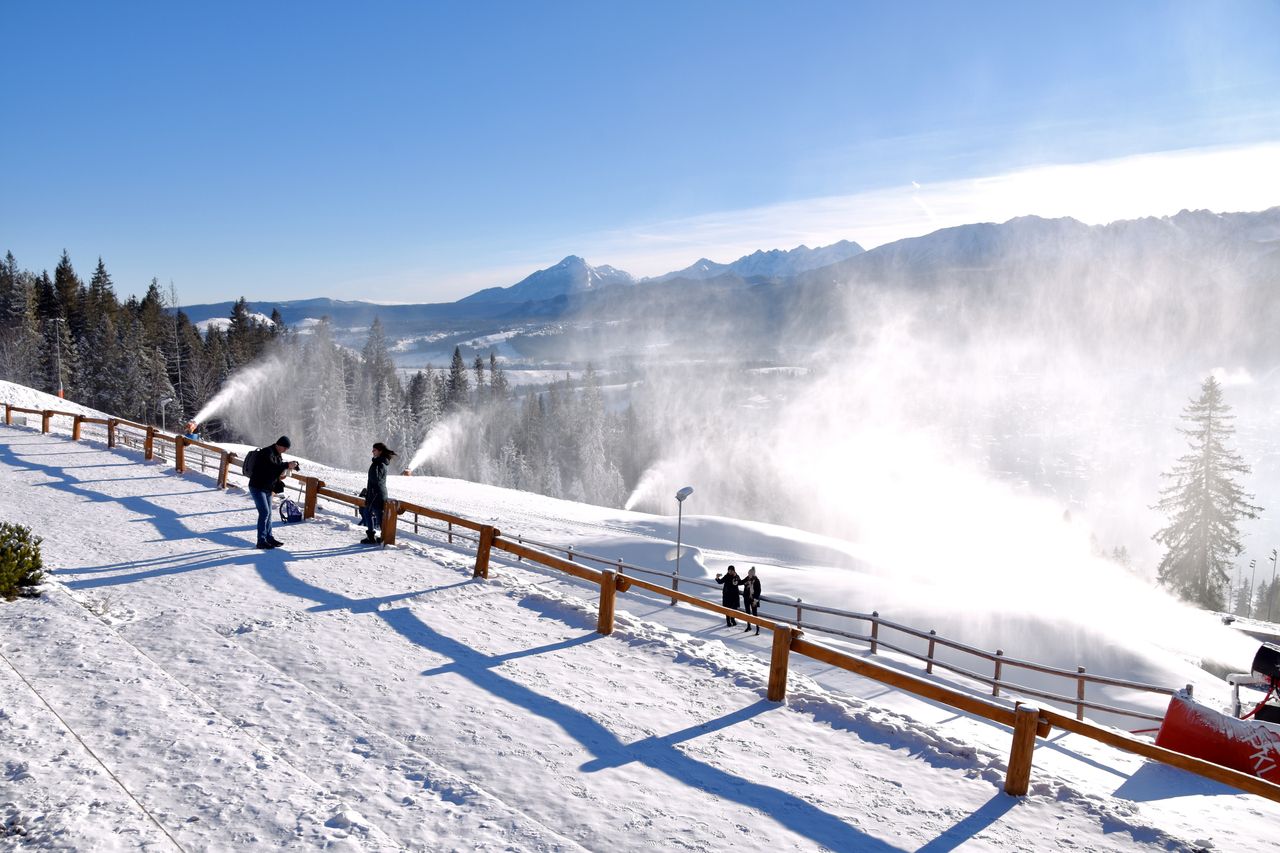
{"x": 323, "y": 694}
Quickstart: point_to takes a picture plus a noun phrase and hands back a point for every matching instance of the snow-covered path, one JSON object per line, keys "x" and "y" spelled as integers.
{"x": 323, "y": 694}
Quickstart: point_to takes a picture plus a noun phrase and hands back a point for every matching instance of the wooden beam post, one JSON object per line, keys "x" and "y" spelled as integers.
{"x": 44, "y": 420}
{"x": 75, "y": 427}
{"x": 8, "y": 414}
{"x": 314, "y": 484}
{"x": 875, "y": 631}
{"x": 149, "y": 444}
{"x": 995, "y": 687}
{"x": 111, "y": 432}
{"x": 487, "y": 534}
{"x": 781, "y": 657}
{"x": 179, "y": 454}
{"x": 223, "y": 467}
{"x": 608, "y": 593}
{"x": 1018, "y": 778}
{"x": 390, "y": 513}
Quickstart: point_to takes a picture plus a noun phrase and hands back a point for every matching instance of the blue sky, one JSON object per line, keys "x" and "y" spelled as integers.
{"x": 418, "y": 152}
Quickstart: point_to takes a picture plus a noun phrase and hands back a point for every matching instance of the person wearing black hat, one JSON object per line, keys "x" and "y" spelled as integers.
{"x": 375, "y": 492}
{"x": 267, "y": 478}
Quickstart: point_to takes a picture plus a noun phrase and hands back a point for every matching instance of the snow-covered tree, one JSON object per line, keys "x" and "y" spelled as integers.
{"x": 1204, "y": 503}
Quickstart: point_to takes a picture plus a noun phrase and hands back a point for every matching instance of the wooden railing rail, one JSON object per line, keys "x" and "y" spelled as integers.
{"x": 1028, "y": 722}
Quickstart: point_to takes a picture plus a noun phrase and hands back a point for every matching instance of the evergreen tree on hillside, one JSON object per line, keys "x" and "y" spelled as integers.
{"x": 1204, "y": 503}
{"x": 71, "y": 293}
{"x": 456, "y": 384}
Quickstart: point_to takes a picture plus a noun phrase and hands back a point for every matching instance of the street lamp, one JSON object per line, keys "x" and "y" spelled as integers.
{"x": 680, "y": 496}
{"x": 1253, "y": 587}
{"x": 1271, "y": 590}
{"x": 57, "y": 348}
{"x": 164, "y": 401}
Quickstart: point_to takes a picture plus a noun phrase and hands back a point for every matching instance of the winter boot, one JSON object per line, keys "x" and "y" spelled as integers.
{"x": 369, "y": 539}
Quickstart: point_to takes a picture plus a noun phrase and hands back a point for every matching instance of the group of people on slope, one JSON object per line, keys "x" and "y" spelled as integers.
{"x": 269, "y": 471}
{"x": 740, "y": 593}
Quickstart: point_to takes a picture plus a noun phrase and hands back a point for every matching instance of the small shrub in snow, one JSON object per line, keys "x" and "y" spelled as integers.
{"x": 20, "y": 563}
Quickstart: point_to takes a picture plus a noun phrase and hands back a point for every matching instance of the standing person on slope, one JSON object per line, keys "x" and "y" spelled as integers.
{"x": 729, "y": 595}
{"x": 375, "y": 492}
{"x": 751, "y": 596}
{"x": 267, "y": 478}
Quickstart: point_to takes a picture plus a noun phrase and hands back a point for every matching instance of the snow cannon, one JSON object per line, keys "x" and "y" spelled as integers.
{"x": 407, "y": 472}
{"x": 1244, "y": 740}
{"x": 1266, "y": 663}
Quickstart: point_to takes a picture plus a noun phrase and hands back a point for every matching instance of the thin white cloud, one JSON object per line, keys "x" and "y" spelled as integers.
{"x": 1238, "y": 178}
{"x": 1158, "y": 184}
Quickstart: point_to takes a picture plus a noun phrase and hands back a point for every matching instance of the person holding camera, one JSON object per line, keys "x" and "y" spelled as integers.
{"x": 267, "y": 478}
{"x": 375, "y": 492}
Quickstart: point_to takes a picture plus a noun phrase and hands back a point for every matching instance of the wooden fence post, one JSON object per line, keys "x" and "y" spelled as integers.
{"x": 1080, "y": 693}
{"x": 995, "y": 687}
{"x": 149, "y": 444}
{"x": 487, "y": 535}
{"x": 44, "y": 420}
{"x": 608, "y": 592}
{"x": 782, "y": 637}
{"x": 390, "y": 514}
{"x": 1018, "y": 778}
{"x": 223, "y": 467}
{"x": 928, "y": 668}
{"x": 111, "y": 432}
{"x": 314, "y": 484}
{"x": 179, "y": 454}
{"x": 875, "y": 630}
{"x": 8, "y": 414}
{"x": 75, "y": 427}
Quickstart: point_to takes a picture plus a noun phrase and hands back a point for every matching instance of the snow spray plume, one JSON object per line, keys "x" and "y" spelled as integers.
{"x": 244, "y": 382}
{"x": 443, "y": 439}
{"x": 975, "y": 445}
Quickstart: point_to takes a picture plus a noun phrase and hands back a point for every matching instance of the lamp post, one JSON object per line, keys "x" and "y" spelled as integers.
{"x": 1271, "y": 590}
{"x": 164, "y": 401}
{"x": 1253, "y": 586}
{"x": 57, "y": 349}
{"x": 680, "y": 496}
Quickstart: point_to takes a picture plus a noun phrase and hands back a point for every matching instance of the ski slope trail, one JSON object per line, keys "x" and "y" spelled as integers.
{"x": 328, "y": 695}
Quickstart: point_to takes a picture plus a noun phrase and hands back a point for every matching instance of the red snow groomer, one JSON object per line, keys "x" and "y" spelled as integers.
{"x": 1248, "y": 742}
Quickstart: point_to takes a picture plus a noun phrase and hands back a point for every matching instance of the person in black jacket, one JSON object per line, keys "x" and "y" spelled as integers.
{"x": 751, "y": 595}
{"x": 729, "y": 595}
{"x": 375, "y": 492}
{"x": 269, "y": 470}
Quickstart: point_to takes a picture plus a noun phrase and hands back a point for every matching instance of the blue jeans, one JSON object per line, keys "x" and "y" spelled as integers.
{"x": 373, "y": 517}
{"x": 262, "y": 500}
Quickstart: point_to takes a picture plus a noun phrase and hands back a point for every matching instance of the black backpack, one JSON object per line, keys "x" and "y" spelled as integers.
{"x": 250, "y": 459}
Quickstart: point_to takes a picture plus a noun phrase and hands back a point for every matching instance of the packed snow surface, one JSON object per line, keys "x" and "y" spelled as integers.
{"x": 173, "y": 684}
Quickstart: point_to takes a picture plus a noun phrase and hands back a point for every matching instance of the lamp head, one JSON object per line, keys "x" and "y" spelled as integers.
{"x": 684, "y": 493}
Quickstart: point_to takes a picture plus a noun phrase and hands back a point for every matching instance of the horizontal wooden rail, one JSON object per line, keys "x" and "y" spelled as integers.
{"x": 903, "y": 681}
{"x": 441, "y": 516}
{"x": 551, "y": 561}
{"x": 1119, "y": 740}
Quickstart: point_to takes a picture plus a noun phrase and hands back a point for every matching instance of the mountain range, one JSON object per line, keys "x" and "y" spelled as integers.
{"x": 1192, "y": 276}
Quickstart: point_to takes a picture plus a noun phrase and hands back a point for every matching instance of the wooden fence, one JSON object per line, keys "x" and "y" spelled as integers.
{"x": 1027, "y": 721}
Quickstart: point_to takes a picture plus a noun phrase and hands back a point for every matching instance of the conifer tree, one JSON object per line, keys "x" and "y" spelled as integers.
{"x": 1204, "y": 502}
{"x": 456, "y": 385}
